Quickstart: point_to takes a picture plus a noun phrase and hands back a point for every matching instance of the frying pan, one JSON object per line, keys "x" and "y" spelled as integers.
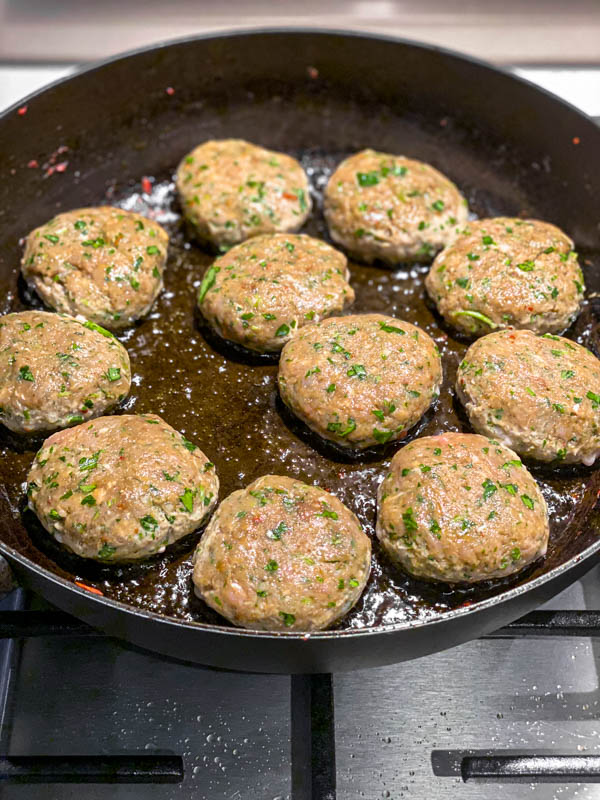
{"x": 112, "y": 132}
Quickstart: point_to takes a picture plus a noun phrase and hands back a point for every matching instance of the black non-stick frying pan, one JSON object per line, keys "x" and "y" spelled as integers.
{"x": 114, "y": 130}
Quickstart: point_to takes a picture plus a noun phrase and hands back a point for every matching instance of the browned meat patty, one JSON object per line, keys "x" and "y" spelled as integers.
{"x": 282, "y": 555}
{"x": 231, "y": 190}
{"x": 103, "y": 263}
{"x": 392, "y": 208}
{"x": 360, "y": 380}
{"x": 57, "y": 371}
{"x": 507, "y": 272}
{"x": 540, "y": 395}
{"x": 121, "y": 488}
{"x": 263, "y": 291}
{"x": 460, "y": 508}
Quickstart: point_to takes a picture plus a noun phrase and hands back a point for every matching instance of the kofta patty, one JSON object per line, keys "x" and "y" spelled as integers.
{"x": 57, "y": 371}
{"x": 506, "y": 272}
{"x": 103, "y": 263}
{"x": 121, "y": 488}
{"x": 230, "y": 190}
{"x": 282, "y": 555}
{"x": 360, "y": 380}
{"x": 392, "y": 208}
{"x": 263, "y": 291}
{"x": 540, "y": 395}
{"x": 460, "y": 508}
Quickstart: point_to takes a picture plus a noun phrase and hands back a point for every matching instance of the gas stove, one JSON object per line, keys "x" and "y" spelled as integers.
{"x": 513, "y": 715}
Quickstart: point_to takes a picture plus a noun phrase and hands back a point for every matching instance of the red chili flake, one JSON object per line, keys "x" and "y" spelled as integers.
{"x": 91, "y": 589}
{"x": 170, "y": 91}
{"x": 466, "y": 604}
{"x": 529, "y": 308}
{"x": 32, "y": 164}
{"x": 576, "y": 140}
{"x": 313, "y": 72}
{"x": 22, "y": 111}
{"x": 289, "y": 196}
{"x": 62, "y": 166}
{"x": 443, "y": 122}
{"x": 146, "y": 185}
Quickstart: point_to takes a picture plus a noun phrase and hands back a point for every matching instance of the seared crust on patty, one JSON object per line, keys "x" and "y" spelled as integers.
{"x": 57, "y": 371}
{"x": 282, "y": 555}
{"x": 539, "y": 395}
{"x": 507, "y": 273}
{"x": 392, "y": 208}
{"x": 231, "y": 190}
{"x": 121, "y": 488}
{"x": 460, "y": 508}
{"x": 263, "y": 291}
{"x": 360, "y": 380}
{"x": 103, "y": 263}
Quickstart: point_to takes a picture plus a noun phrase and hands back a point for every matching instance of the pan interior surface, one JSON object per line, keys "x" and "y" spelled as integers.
{"x": 319, "y": 104}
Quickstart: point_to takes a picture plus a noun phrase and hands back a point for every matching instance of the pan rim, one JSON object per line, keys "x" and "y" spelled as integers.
{"x": 501, "y": 600}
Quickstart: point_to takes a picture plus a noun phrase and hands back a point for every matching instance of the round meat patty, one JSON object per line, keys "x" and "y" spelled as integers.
{"x": 282, "y": 555}
{"x": 360, "y": 380}
{"x": 57, "y": 371}
{"x": 460, "y": 508}
{"x": 507, "y": 272}
{"x": 103, "y": 263}
{"x": 263, "y": 291}
{"x": 231, "y": 190}
{"x": 121, "y": 488}
{"x": 392, "y": 208}
{"x": 540, "y": 395}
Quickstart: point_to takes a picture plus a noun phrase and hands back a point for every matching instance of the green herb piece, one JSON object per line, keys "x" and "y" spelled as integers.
{"x": 148, "y": 523}
{"x": 515, "y": 554}
{"x": 288, "y": 619}
{"x": 526, "y": 266}
{"x": 25, "y": 374}
{"x": 476, "y": 315}
{"x": 106, "y": 551}
{"x": 301, "y": 195}
{"x": 282, "y": 330}
{"x": 187, "y": 500}
{"x": 367, "y": 178}
{"x": 88, "y": 464}
{"x": 357, "y": 371}
{"x": 271, "y": 566}
{"x": 208, "y": 282}
{"x": 527, "y": 501}
{"x": 51, "y": 237}
{"x": 438, "y": 205}
{"x": 54, "y": 514}
{"x": 410, "y": 523}
{"x": 277, "y": 531}
{"x": 489, "y": 487}
{"x": 88, "y": 500}
{"x": 152, "y": 250}
{"x": 391, "y": 328}
{"x": 188, "y": 445}
{"x": 382, "y": 436}
{"x": 113, "y": 374}
{"x": 94, "y": 327}
{"x": 595, "y": 398}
